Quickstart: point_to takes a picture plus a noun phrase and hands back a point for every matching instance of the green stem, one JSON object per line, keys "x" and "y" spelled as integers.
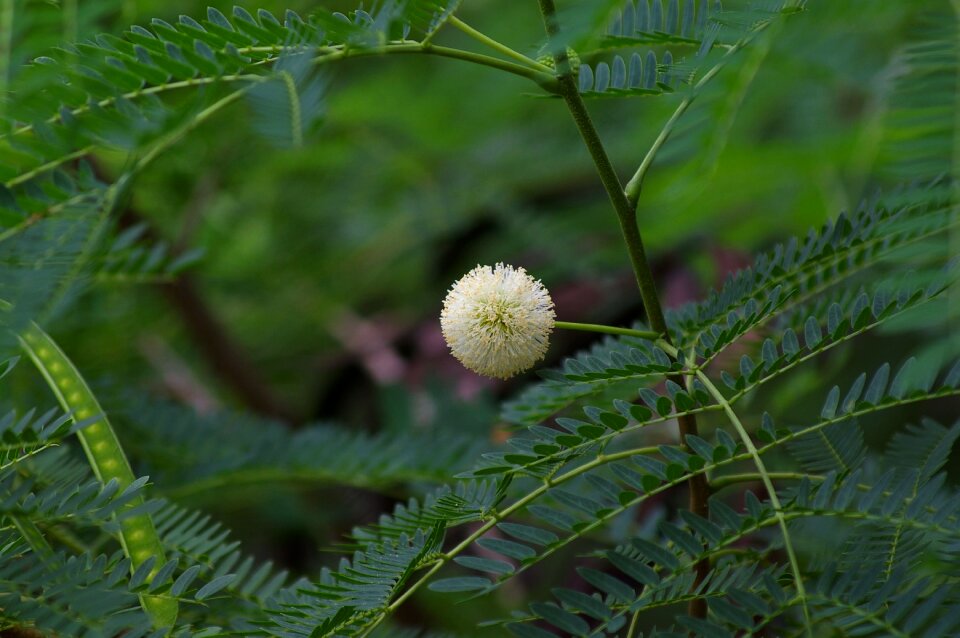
{"x": 48, "y": 166}
{"x": 625, "y": 214}
{"x": 633, "y": 187}
{"x": 747, "y": 477}
{"x": 35, "y": 217}
{"x": 66, "y": 537}
{"x": 627, "y": 217}
{"x": 544, "y": 79}
{"x": 21, "y": 453}
{"x": 765, "y": 477}
{"x": 497, "y": 46}
{"x": 33, "y": 536}
{"x": 150, "y": 90}
{"x": 296, "y": 113}
{"x": 175, "y": 136}
{"x": 721, "y": 482}
{"x": 138, "y": 536}
{"x": 611, "y": 330}
{"x": 634, "y": 623}
{"x": 953, "y": 238}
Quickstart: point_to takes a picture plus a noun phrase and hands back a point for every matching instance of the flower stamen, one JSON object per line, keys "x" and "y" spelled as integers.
{"x": 497, "y": 320}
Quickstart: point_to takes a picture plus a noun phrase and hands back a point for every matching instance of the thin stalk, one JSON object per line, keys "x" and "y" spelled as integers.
{"x": 66, "y": 537}
{"x": 634, "y": 623}
{"x": 632, "y": 190}
{"x": 766, "y": 478}
{"x": 21, "y": 454}
{"x": 177, "y": 135}
{"x": 721, "y": 482}
{"x": 627, "y": 217}
{"x": 732, "y": 479}
{"x": 633, "y": 187}
{"x": 610, "y": 330}
{"x": 296, "y": 113}
{"x": 33, "y": 536}
{"x": 953, "y": 239}
{"x": 34, "y": 218}
{"x": 49, "y": 166}
{"x": 542, "y": 78}
{"x": 150, "y": 90}
{"x": 625, "y": 214}
{"x": 484, "y": 39}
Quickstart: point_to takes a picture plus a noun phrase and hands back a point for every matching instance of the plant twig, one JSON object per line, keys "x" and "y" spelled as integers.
{"x": 412, "y": 47}
{"x": 766, "y": 478}
{"x": 633, "y": 187}
{"x": 626, "y": 215}
{"x": 611, "y": 330}
{"x": 497, "y": 46}
{"x": 721, "y": 482}
{"x": 634, "y": 622}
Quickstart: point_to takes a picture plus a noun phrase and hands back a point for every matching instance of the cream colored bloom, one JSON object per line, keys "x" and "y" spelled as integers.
{"x": 497, "y": 321}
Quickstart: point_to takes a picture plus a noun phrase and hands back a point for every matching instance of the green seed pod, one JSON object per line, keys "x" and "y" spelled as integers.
{"x": 137, "y": 534}
{"x": 547, "y": 60}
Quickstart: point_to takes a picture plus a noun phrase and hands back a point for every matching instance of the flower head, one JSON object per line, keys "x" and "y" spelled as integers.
{"x": 497, "y": 321}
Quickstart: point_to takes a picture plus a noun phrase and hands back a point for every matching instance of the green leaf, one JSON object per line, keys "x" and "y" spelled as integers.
{"x": 607, "y": 583}
{"x": 656, "y": 553}
{"x": 507, "y": 548}
{"x": 214, "y": 586}
{"x": 561, "y": 618}
{"x": 811, "y": 333}
{"x": 139, "y": 577}
{"x": 484, "y": 564}
{"x": 459, "y": 584}
{"x": 529, "y": 534}
{"x": 633, "y": 568}
{"x": 560, "y": 520}
{"x": 582, "y": 602}
{"x": 830, "y": 405}
{"x": 529, "y": 631}
{"x": 184, "y": 580}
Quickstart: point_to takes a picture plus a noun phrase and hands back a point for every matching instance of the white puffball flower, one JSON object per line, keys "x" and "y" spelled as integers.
{"x": 497, "y": 321}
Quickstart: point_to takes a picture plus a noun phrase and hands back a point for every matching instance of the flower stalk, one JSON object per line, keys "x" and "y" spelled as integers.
{"x": 610, "y": 330}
